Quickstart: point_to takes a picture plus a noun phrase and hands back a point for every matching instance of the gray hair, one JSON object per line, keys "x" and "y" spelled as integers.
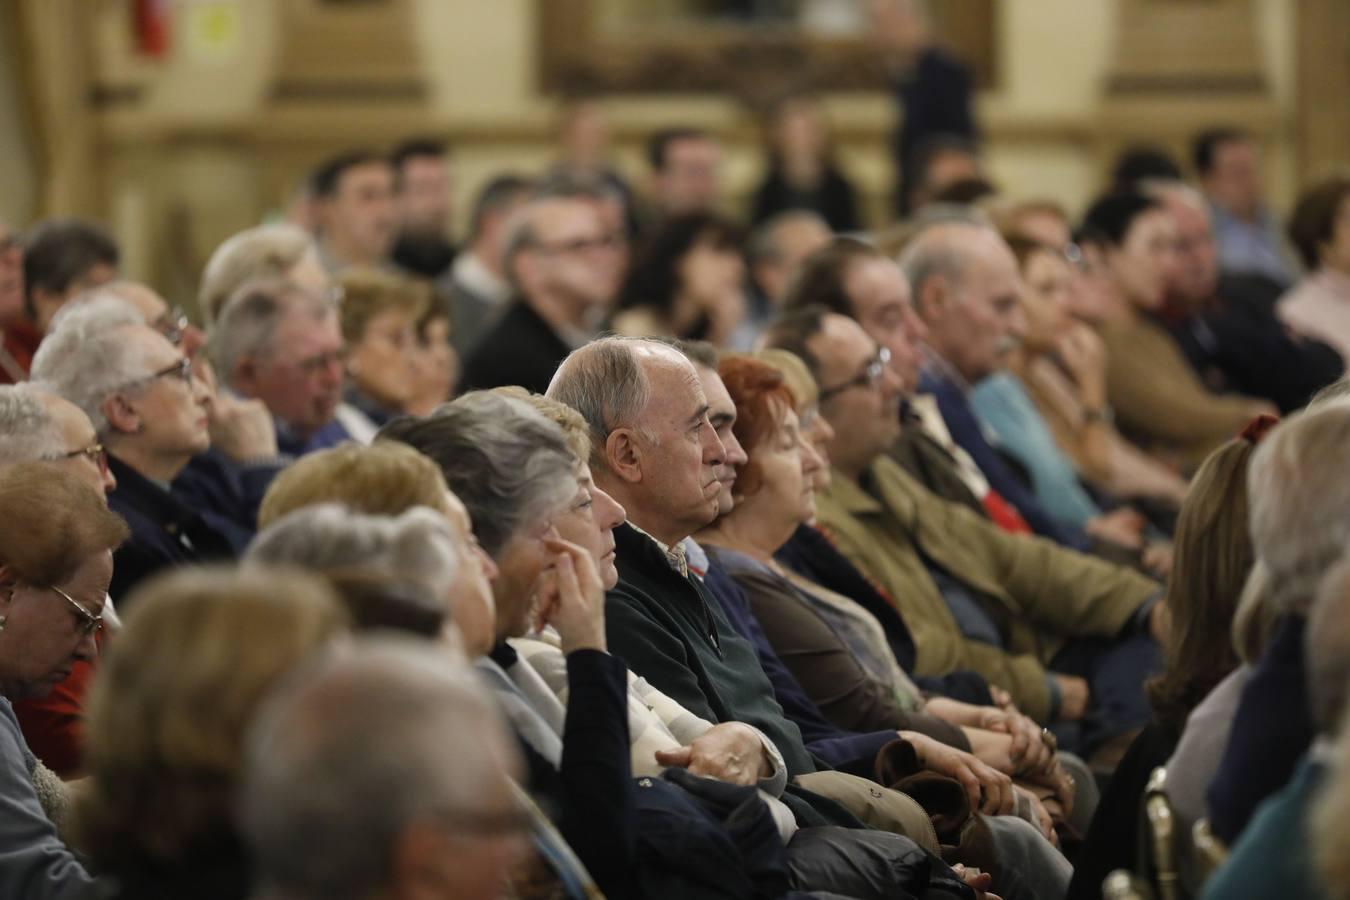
{"x": 763, "y": 242}
{"x": 937, "y": 249}
{"x": 1300, "y": 502}
{"x": 605, "y": 382}
{"x": 1327, "y": 642}
{"x": 354, "y": 748}
{"x": 27, "y": 430}
{"x": 266, "y": 251}
{"x": 250, "y": 318}
{"x": 416, "y": 548}
{"x": 87, "y": 355}
{"x": 509, "y": 465}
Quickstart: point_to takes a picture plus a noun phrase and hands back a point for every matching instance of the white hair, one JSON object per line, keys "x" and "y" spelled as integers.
{"x": 1300, "y": 501}
{"x": 87, "y": 355}
{"x": 416, "y": 548}
{"x": 250, "y": 318}
{"x": 352, "y": 750}
{"x": 265, "y": 251}
{"x": 27, "y": 430}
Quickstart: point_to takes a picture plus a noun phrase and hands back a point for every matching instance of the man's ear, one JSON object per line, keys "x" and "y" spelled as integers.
{"x": 121, "y": 417}
{"x": 624, "y": 455}
{"x": 932, "y": 298}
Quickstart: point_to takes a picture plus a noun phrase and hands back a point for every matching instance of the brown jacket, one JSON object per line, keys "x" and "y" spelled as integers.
{"x": 1044, "y": 593}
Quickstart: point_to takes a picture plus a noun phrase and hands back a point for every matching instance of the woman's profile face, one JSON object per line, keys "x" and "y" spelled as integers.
{"x": 44, "y": 634}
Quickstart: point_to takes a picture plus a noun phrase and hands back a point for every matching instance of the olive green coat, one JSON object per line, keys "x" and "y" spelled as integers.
{"x": 1046, "y": 594}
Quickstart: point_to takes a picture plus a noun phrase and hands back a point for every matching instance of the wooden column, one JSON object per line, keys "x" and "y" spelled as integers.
{"x": 1322, "y": 127}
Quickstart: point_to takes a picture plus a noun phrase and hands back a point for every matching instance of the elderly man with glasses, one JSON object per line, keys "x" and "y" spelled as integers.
{"x": 149, "y": 411}
{"x": 1070, "y": 638}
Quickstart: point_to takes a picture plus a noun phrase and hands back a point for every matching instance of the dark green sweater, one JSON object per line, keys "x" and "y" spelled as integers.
{"x": 669, "y": 631}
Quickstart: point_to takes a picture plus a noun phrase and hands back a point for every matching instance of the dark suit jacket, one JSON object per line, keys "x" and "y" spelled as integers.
{"x": 969, "y": 435}
{"x": 520, "y": 349}
{"x": 833, "y": 200}
{"x": 1239, "y": 346}
{"x": 225, "y": 494}
{"x": 165, "y": 532}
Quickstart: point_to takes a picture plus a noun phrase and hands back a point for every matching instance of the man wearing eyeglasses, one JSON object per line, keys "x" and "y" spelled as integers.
{"x": 1066, "y": 635}
{"x": 565, "y": 266}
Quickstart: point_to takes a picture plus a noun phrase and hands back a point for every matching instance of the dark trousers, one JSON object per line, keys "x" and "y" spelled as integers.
{"x": 1115, "y": 670}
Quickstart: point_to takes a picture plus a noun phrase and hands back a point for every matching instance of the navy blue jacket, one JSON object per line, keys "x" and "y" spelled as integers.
{"x": 966, "y": 430}
{"x": 226, "y": 494}
{"x": 1272, "y": 729}
{"x": 165, "y": 532}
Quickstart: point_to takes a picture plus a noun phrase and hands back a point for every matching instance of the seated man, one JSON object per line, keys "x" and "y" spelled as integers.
{"x": 1067, "y": 636}
{"x": 657, "y": 453}
{"x": 387, "y": 715}
{"x": 280, "y": 343}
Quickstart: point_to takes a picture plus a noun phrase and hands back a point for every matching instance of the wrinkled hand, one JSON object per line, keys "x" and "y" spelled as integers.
{"x": 1029, "y": 751}
{"x": 571, "y": 597}
{"x": 1157, "y": 558}
{"x": 730, "y": 751}
{"x": 1058, "y": 780}
{"x": 241, "y": 429}
{"x": 1084, "y": 355}
{"x": 990, "y": 791}
{"x": 1002, "y": 699}
{"x": 1043, "y": 819}
{"x": 1075, "y": 696}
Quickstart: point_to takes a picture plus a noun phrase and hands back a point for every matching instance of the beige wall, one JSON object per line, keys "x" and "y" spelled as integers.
{"x": 198, "y": 154}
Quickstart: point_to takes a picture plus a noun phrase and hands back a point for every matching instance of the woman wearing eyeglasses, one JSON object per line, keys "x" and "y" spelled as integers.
{"x": 149, "y": 412}
{"x": 55, "y": 565}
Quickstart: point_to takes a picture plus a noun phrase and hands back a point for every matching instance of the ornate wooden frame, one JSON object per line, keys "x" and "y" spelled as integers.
{"x": 577, "y": 57}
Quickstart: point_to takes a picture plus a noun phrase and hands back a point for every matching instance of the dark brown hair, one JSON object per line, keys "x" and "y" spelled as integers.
{"x": 1313, "y": 222}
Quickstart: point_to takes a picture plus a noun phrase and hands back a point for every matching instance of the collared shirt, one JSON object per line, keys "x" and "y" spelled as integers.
{"x": 474, "y": 276}
{"x": 677, "y": 556}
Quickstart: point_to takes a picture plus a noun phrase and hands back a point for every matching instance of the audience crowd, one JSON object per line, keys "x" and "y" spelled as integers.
{"x": 632, "y": 548}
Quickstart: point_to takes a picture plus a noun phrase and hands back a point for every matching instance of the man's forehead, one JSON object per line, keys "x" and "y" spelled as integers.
{"x": 563, "y": 216}
{"x": 841, "y": 342}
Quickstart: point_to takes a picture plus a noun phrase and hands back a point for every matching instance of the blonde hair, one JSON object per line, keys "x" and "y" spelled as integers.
{"x": 167, "y": 715}
{"x": 384, "y": 479}
{"x": 267, "y": 251}
{"x": 63, "y": 523}
{"x": 368, "y": 292}
{"x": 575, "y": 431}
{"x": 805, "y": 392}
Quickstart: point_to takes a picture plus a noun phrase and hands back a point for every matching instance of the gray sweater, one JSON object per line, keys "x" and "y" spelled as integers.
{"x": 34, "y": 864}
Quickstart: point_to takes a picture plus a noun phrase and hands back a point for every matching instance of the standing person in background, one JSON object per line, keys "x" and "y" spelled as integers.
{"x": 584, "y": 154}
{"x": 354, "y": 206}
{"x": 422, "y": 185}
{"x": 935, "y": 91}
{"x": 802, "y": 172}
{"x": 1228, "y": 165}
{"x": 478, "y": 290}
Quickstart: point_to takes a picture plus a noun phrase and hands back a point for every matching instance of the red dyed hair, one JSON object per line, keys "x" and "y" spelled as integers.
{"x": 762, "y": 400}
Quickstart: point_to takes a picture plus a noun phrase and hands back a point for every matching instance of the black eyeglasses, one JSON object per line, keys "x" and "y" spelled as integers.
{"x": 181, "y": 369}
{"x": 578, "y": 245}
{"x": 95, "y": 453}
{"x": 89, "y": 623}
{"x": 868, "y": 377}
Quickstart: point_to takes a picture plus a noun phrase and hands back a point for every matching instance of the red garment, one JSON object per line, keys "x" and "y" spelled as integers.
{"x": 53, "y": 725}
{"x": 21, "y": 339}
{"x": 1004, "y": 514}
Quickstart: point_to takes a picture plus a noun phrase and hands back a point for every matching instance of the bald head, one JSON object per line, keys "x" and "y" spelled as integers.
{"x": 967, "y": 290}
{"x": 346, "y": 777}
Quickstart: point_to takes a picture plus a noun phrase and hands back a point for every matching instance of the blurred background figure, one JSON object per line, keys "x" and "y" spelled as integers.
{"x": 355, "y": 210}
{"x": 686, "y": 173}
{"x": 422, "y": 195}
{"x": 380, "y": 312}
{"x": 478, "y": 291}
{"x": 802, "y": 172}
{"x": 1320, "y": 230}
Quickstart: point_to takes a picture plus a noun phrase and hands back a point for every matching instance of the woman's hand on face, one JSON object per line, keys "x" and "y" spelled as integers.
{"x": 572, "y": 597}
